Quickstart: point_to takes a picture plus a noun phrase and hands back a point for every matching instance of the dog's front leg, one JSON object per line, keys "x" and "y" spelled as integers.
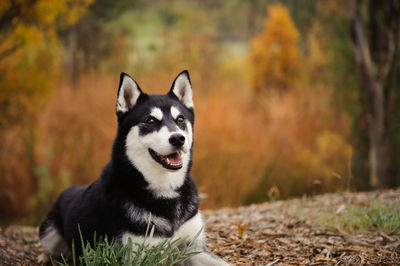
{"x": 204, "y": 257}
{"x": 194, "y": 229}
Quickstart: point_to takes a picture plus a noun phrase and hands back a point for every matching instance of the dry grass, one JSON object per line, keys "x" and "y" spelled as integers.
{"x": 16, "y": 182}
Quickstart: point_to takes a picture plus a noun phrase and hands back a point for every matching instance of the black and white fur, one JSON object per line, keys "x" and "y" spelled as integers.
{"x": 149, "y": 172}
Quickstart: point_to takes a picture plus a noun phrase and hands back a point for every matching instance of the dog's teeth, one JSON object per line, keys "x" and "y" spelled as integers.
{"x": 168, "y": 161}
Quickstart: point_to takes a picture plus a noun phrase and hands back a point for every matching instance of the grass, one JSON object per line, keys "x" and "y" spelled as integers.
{"x": 378, "y": 215}
{"x": 374, "y": 216}
{"x": 109, "y": 252}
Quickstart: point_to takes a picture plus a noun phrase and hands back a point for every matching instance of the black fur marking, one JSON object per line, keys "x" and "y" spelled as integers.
{"x": 164, "y": 103}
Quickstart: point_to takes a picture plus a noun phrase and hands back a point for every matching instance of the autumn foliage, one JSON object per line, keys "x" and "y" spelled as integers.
{"x": 274, "y": 53}
{"x": 29, "y": 50}
{"x": 304, "y": 151}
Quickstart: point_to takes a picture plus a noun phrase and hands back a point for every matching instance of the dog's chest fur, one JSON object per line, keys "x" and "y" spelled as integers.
{"x": 187, "y": 229}
{"x": 167, "y": 215}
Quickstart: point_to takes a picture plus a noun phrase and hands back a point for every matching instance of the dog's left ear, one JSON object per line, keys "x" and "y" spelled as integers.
{"x": 182, "y": 88}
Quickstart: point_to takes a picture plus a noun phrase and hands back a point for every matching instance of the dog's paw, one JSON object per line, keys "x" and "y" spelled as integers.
{"x": 42, "y": 259}
{"x": 206, "y": 258}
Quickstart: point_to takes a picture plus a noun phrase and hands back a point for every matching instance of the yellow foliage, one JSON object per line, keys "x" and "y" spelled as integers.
{"x": 4, "y": 5}
{"x": 315, "y": 44}
{"x": 47, "y": 11}
{"x": 29, "y": 50}
{"x": 321, "y": 159}
{"x": 274, "y": 53}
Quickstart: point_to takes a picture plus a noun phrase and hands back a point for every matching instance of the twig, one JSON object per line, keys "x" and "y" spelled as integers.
{"x": 276, "y": 235}
{"x": 272, "y": 263}
{"x": 386, "y": 237}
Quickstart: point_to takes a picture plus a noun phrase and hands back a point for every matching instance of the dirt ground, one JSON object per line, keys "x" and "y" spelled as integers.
{"x": 278, "y": 233}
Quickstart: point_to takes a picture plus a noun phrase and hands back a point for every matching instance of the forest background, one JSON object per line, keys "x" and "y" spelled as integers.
{"x": 292, "y": 98}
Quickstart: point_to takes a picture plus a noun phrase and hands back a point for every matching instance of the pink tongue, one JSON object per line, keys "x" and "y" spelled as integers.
{"x": 175, "y": 159}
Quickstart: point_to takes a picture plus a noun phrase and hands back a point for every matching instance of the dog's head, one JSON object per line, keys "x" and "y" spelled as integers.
{"x": 158, "y": 132}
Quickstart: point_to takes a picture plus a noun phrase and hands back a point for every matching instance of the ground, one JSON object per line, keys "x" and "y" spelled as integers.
{"x": 277, "y": 233}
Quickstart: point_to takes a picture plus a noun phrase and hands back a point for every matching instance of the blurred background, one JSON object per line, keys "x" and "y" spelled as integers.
{"x": 292, "y": 98}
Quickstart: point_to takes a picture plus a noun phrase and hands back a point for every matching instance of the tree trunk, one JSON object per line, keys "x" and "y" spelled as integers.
{"x": 374, "y": 68}
{"x": 252, "y": 17}
{"x": 73, "y": 57}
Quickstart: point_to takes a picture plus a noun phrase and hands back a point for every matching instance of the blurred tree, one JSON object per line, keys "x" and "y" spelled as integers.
{"x": 28, "y": 47}
{"x": 376, "y": 45}
{"x": 29, "y": 60}
{"x": 274, "y": 52}
{"x": 90, "y": 41}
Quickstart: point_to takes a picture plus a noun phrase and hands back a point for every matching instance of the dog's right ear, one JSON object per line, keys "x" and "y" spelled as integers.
{"x": 128, "y": 94}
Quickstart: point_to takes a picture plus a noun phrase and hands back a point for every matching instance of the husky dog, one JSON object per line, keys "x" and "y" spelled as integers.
{"x": 149, "y": 173}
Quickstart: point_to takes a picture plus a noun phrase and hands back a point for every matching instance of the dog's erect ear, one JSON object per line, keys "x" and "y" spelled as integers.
{"x": 128, "y": 94}
{"x": 182, "y": 88}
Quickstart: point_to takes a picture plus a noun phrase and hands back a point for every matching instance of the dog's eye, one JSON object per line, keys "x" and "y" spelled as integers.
{"x": 180, "y": 119}
{"x": 151, "y": 120}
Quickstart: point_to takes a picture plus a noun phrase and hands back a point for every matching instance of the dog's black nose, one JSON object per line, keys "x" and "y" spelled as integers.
{"x": 177, "y": 140}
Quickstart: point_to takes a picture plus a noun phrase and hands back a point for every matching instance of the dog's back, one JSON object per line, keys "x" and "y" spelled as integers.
{"x": 51, "y": 230}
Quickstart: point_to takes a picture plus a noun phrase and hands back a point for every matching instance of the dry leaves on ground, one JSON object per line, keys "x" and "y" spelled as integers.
{"x": 284, "y": 233}
{"x": 279, "y": 233}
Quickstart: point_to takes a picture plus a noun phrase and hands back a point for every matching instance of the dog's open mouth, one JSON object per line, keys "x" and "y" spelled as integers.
{"x": 171, "y": 161}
